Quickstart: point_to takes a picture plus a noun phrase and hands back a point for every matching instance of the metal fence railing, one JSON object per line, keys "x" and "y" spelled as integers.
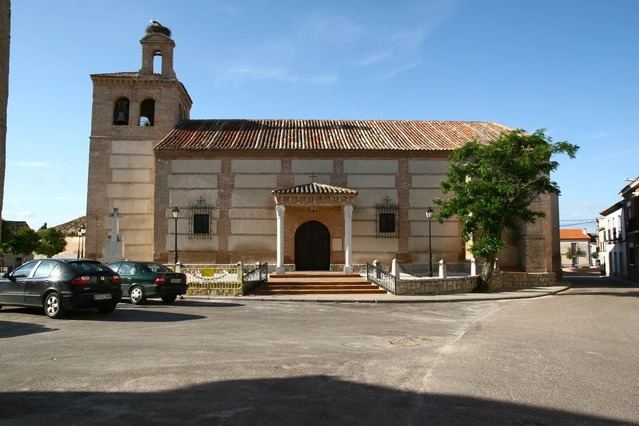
{"x": 203, "y": 279}
{"x": 381, "y": 278}
{"x": 222, "y": 279}
{"x": 254, "y": 277}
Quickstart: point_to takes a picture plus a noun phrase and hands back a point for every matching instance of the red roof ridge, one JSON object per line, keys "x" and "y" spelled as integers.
{"x": 324, "y": 134}
{"x": 573, "y": 234}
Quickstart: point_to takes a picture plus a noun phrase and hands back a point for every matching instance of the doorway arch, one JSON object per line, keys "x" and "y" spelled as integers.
{"x": 312, "y": 247}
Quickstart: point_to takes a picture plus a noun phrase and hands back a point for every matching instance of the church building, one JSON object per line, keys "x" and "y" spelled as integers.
{"x": 299, "y": 194}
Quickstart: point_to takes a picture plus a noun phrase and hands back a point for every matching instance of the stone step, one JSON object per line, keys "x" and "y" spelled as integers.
{"x": 313, "y": 274}
{"x": 313, "y": 282}
{"x": 303, "y": 281}
{"x": 320, "y": 285}
{"x": 299, "y": 292}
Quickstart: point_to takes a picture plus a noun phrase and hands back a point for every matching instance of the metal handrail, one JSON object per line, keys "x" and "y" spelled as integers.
{"x": 381, "y": 278}
{"x": 258, "y": 273}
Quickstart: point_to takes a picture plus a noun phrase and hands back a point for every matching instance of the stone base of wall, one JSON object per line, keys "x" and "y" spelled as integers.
{"x": 517, "y": 280}
{"x": 501, "y": 282}
{"x": 432, "y": 286}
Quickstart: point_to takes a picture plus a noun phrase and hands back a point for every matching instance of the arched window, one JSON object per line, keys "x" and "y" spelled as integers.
{"x": 147, "y": 112}
{"x": 157, "y": 62}
{"x": 121, "y": 112}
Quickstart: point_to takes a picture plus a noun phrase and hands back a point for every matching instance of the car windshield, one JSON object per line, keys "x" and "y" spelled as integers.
{"x": 156, "y": 267}
{"x": 89, "y": 267}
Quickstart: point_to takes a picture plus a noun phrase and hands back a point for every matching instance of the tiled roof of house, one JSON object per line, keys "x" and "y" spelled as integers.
{"x": 314, "y": 188}
{"x": 573, "y": 234}
{"x": 116, "y": 74}
{"x": 15, "y": 224}
{"x": 320, "y": 135}
{"x": 613, "y": 208}
{"x": 70, "y": 228}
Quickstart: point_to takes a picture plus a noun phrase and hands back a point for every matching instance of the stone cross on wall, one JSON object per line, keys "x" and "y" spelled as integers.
{"x": 115, "y": 224}
{"x": 114, "y": 244}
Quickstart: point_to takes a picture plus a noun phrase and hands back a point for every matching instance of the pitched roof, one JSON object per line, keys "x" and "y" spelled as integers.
{"x": 320, "y": 135}
{"x": 15, "y": 224}
{"x": 613, "y": 208}
{"x": 70, "y": 228}
{"x": 573, "y": 234}
{"x": 314, "y": 188}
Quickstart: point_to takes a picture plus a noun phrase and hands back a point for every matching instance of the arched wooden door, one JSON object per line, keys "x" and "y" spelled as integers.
{"x": 312, "y": 247}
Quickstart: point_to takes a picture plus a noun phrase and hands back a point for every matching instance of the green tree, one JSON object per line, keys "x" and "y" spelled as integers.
{"x": 489, "y": 187}
{"x": 23, "y": 240}
{"x": 51, "y": 241}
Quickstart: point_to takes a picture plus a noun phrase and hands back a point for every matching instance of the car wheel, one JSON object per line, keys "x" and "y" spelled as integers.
{"x": 107, "y": 309}
{"x": 169, "y": 299}
{"x": 53, "y": 306}
{"x": 137, "y": 295}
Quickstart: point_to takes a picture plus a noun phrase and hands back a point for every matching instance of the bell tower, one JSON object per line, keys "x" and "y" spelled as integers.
{"x": 157, "y": 42}
{"x": 131, "y": 113}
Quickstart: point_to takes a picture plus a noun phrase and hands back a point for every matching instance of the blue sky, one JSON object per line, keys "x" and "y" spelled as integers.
{"x": 570, "y": 66}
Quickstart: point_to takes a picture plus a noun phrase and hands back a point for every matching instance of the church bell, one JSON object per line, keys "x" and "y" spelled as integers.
{"x": 121, "y": 118}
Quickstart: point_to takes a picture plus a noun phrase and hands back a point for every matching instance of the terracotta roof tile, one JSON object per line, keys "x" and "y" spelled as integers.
{"x": 314, "y": 188}
{"x": 573, "y": 234}
{"x": 320, "y": 135}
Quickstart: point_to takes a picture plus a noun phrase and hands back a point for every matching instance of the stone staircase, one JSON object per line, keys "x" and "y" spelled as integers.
{"x": 316, "y": 282}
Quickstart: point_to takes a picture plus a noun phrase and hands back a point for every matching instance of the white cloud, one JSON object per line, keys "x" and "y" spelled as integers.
{"x": 376, "y": 58}
{"x": 331, "y": 28}
{"x": 245, "y": 73}
{"x": 32, "y": 164}
{"x": 597, "y": 135}
{"x": 395, "y": 72}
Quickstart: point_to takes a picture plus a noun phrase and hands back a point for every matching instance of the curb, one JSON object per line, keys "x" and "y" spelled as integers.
{"x": 405, "y": 299}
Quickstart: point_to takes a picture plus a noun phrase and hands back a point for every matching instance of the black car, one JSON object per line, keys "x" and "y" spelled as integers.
{"x": 141, "y": 280}
{"x": 59, "y": 285}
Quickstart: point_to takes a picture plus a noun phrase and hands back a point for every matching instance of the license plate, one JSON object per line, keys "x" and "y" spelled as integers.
{"x": 102, "y": 296}
{"x": 175, "y": 281}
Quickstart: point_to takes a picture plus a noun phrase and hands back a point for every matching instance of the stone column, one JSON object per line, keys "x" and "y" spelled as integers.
{"x": 348, "y": 221}
{"x": 279, "y": 212}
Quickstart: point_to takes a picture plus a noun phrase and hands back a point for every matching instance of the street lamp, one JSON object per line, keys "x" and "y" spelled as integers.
{"x": 81, "y": 233}
{"x": 429, "y": 216}
{"x": 175, "y": 212}
{"x": 79, "y": 239}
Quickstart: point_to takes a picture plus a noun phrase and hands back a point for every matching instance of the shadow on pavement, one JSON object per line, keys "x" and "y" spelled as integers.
{"x": 177, "y": 303}
{"x": 594, "y": 284}
{"x": 15, "y": 329}
{"x": 132, "y": 315}
{"x": 312, "y": 400}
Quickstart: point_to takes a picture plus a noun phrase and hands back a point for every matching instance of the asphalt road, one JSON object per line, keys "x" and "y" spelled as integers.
{"x": 572, "y": 358}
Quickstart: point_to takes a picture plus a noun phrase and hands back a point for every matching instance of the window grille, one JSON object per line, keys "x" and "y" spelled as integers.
{"x": 200, "y": 219}
{"x": 387, "y": 219}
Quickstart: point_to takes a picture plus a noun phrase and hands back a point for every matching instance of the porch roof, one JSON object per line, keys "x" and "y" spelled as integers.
{"x": 314, "y": 194}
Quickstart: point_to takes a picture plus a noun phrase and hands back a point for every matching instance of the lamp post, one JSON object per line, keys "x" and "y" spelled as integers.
{"x": 81, "y": 233}
{"x": 429, "y": 216}
{"x": 175, "y": 212}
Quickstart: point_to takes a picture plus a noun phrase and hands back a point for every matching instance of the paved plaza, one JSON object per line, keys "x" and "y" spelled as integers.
{"x": 561, "y": 359}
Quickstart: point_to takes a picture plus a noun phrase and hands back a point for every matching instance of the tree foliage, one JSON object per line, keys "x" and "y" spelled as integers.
{"x": 489, "y": 187}
{"x": 23, "y": 240}
{"x": 51, "y": 241}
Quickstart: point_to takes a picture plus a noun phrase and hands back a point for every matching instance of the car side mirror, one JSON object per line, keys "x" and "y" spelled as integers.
{"x": 8, "y": 276}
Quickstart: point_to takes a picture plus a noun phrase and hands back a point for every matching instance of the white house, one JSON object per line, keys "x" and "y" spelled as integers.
{"x": 612, "y": 239}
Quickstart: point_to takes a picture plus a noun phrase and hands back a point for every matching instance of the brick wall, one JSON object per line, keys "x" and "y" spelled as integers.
{"x": 5, "y": 18}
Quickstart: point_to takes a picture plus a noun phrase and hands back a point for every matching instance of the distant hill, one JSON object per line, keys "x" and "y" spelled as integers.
{"x": 70, "y": 228}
